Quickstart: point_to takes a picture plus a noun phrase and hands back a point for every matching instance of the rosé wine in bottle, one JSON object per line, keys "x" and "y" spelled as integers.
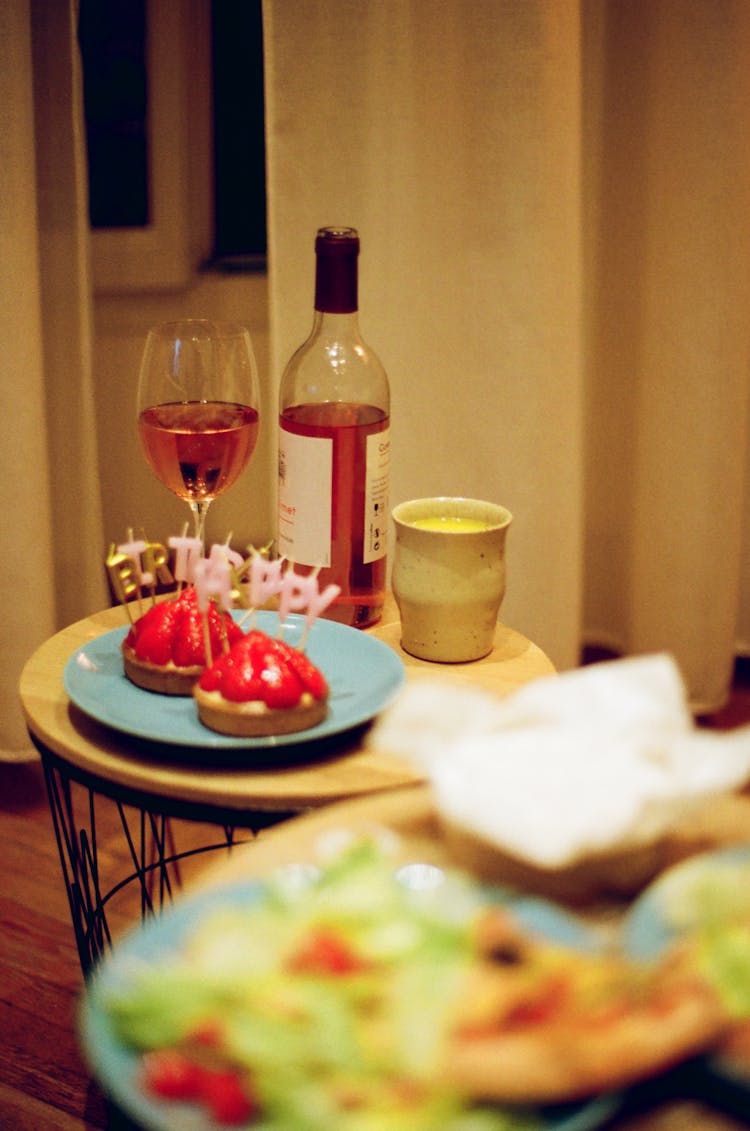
{"x": 334, "y": 452}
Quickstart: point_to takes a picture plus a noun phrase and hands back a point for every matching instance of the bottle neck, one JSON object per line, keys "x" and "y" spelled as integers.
{"x": 338, "y": 327}
{"x": 336, "y": 252}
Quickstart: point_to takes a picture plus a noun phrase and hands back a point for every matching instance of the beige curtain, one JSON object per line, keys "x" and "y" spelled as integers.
{"x": 51, "y": 543}
{"x": 554, "y": 204}
{"x": 554, "y": 201}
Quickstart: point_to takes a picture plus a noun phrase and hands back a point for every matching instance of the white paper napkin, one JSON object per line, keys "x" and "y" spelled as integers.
{"x": 597, "y": 759}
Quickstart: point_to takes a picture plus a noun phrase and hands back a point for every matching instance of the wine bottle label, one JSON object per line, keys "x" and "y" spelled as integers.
{"x": 305, "y": 487}
{"x": 308, "y": 494}
{"x": 377, "y": 480}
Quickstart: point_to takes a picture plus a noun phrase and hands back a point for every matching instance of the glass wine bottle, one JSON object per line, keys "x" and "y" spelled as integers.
{"x": 334, "y": 455}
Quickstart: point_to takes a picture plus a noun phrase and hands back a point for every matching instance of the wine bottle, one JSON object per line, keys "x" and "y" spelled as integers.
{"x": 334, "y": 454}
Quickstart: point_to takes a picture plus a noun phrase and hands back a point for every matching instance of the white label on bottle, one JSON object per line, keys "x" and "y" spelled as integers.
{"x": 305, "y": 481}
{"x": 377, "y": 478}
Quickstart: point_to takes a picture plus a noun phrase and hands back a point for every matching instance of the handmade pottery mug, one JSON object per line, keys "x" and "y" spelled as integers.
{"x": 448, "y": 576}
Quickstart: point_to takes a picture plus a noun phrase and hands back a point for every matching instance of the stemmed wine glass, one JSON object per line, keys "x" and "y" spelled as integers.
{"x": 198, "y": 408}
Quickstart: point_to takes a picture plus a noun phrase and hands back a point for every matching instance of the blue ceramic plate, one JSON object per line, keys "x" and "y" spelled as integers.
{"x": 116, "y": 1066}
{"x": 363, "y": 675}
{"x": 652, "y": 925}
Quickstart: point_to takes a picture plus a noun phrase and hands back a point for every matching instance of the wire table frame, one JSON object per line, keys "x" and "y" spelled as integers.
{"x": 147, "y": 824}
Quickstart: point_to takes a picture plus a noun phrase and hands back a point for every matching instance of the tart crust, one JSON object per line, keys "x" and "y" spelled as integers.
{"x": 164, "y": 680}
{"x": 254, "y": 719}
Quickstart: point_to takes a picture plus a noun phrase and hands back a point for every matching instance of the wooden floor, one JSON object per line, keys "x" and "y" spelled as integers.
{"x": 44, "y": 1083}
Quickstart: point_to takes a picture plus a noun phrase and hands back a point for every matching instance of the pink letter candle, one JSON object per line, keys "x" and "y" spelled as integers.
{"x": 265, "y": 580}
{"x": 212, "y": 577}
{"x": 187, "y": 550}
{"x": 298, "y": 593}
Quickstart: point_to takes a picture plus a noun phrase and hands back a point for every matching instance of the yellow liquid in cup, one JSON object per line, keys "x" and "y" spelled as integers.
{"x": 451, "y": 524}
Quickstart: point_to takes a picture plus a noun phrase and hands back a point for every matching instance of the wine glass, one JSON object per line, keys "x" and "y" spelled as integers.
{"x": 198, "y": 408}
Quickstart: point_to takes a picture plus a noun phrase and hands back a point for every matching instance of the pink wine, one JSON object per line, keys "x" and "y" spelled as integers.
{"x": 358, "y": 482}
{"x": 198, "y": 448}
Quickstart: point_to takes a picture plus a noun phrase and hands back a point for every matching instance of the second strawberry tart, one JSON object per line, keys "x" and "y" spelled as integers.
{"x": 262, "y": 686}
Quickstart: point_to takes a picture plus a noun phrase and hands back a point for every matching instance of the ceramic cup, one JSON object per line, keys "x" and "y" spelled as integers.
{"x": 448, "y": 576}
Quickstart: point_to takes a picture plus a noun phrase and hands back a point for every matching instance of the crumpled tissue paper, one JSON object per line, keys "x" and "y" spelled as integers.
{"x": 597, "y": 759}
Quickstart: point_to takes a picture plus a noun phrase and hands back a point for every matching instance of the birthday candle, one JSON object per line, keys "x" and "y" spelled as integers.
{"x": 212, "y": 577}
{"x": 319, "y": 601}
{"x": 235, "y": 559}
{"x": 265, "y": 579}
{"x": 155, "y": 558}
{"x": 296, "y": 592}
{"x": 122, "y": 572}
{"x": 134, "y": 549}
{"x": 187, "y": 551}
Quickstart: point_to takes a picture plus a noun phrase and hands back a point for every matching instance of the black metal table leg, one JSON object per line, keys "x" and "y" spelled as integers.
{"x": 74, "y": 804}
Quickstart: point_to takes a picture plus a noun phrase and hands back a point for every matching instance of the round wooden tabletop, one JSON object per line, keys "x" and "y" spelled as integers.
{"x": 342, "y": 768}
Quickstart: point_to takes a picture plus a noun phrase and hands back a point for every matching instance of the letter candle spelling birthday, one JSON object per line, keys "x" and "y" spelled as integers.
{"x": 186, "y": 552}
{"x": 123, "y": 575}
{"x": 218, "y": 577}
{"x": 265, "y": 579}
{"x": 150, "y": 560}
{"x": 136, "y": 564}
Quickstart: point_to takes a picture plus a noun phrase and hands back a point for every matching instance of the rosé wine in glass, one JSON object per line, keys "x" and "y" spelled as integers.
{"x": 198, "y": 449}
{"x": 198, "y": 416}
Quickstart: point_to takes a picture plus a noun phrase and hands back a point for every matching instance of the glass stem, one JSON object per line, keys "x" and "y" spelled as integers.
{"x": 199, "y": 507}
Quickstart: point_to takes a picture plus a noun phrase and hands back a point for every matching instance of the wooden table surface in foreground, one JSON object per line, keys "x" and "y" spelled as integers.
{"x": 341, "y": 769}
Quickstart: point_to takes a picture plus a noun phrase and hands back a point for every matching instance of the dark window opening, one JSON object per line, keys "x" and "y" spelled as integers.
{"x": 239, "y": 139}
{"x": 112, "y": 38}
{"x": 113, "y": 43}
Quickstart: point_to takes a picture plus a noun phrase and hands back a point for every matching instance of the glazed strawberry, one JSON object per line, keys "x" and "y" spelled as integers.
{"x": 310, "y": 676}
{"x": 261, "y": 668}
{"x": 152, "y": 634}
{"x": 174, "y": 631}
{"x": 224, "y": 631}
{"x": 237, "y": 680}
{"x": 187, "y": 645}
{"x": 282, "y": 687}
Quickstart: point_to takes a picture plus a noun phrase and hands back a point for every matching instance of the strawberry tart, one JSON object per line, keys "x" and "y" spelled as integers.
{"x": 262, "y": 686}
{"x": 165, "y": 649}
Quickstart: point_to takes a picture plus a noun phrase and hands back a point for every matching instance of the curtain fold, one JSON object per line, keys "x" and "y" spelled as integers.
{"x": 450, "y": 136}
{"x": 67, "y": 312}
{"x": 51, "y": 538}
{"x": 668, "y": 277}
{"x": 553, "y": 203}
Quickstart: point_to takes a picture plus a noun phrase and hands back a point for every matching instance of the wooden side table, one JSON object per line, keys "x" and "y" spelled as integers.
{"x": 86, "y": 763}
